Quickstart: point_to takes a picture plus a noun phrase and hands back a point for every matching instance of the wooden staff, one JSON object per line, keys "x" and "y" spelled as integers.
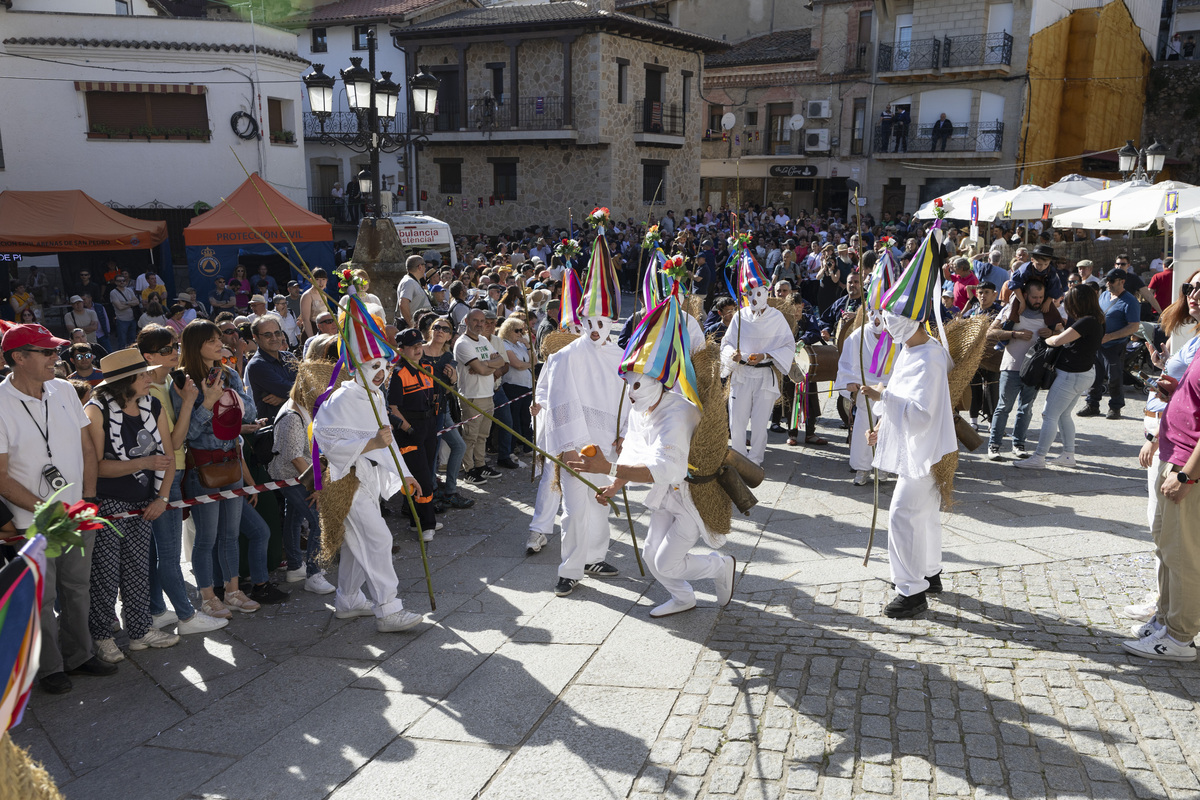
{"x": 862, "y": 371}
{"x": 625, "y": 492}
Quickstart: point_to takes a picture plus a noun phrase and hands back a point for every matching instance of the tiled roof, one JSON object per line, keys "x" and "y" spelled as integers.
{"x": 772, "y": 48}
{"x": 345, "y": 10}
{"x": 556, "y": 15}
{"x": 132, "y": 44}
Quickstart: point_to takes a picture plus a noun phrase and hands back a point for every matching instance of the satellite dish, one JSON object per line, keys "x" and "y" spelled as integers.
{"x": 728, "y": 120}
{"x": 795, "y": 122}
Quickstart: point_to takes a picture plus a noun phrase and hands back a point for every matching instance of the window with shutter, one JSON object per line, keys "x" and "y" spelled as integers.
{"x": 163, "y": 112}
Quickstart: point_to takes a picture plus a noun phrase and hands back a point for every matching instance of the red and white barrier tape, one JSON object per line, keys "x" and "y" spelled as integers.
{"x": 475, "y": 416}
{"x": 215, "y": 497}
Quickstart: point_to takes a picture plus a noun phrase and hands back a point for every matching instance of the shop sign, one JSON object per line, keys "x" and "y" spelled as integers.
{"x": 793, "y": 171}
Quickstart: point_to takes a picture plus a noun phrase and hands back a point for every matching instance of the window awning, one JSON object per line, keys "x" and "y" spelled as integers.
{"x": 141, "y": 88}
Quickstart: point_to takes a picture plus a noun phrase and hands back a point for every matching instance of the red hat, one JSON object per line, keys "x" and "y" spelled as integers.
{"x": 227, "y": 416}
{"x": 30, "y": 335}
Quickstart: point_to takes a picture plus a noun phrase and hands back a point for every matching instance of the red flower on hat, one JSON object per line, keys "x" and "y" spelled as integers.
{"x": 564, "y": 241}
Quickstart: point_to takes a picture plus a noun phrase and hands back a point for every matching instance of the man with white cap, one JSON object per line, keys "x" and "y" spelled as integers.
{"x": 82, "y": 317}
{"x": 346, "y": 431}
{"x": 758, "y": 342}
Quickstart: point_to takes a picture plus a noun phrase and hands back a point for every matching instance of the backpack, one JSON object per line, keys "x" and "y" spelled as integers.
{"x": 262, "y": 449}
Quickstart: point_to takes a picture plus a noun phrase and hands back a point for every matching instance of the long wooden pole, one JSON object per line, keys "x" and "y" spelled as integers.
{"x": 862, "y": 371}
{"x": 625, "y": 492}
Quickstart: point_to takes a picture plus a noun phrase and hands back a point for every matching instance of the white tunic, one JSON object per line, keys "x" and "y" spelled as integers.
{"x": 850, "y": 369}
{"x": 344, "y": 425}
{"x": 917, "y": 424}
{"x": 580, "y": 393}
{"x": 757, "y": 333}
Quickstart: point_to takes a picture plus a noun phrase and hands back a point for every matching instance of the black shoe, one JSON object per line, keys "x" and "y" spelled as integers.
{"x": 906, "y": 607}
{"x": 55, "y": 683}
{"x": 776, "y": 428}
{"x": 488, "y": 472}
{"x": 267, "y": 594}
{"x": 456, "y": 500}
{"x": 564, "y": 586}
{"x": 601, "y": 569}
{"x": 94, "y": 666}
{"x": 507, "y": 463}
{"x": 935, "y": 584}
{"x": 1113, "y": 413}
{"x": 1088, "y": 411}
{"x": 474, "y": 477}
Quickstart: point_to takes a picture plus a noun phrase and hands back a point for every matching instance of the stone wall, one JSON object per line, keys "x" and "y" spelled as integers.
{"x": 1173, "y": 116}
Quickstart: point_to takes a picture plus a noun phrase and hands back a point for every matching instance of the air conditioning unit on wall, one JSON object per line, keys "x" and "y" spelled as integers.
{"x": 816, "y": 141}
{"x": 818, "y": 109}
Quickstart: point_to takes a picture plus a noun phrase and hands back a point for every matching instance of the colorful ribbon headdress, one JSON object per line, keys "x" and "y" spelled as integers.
{"x": 915, "y": 293}
{"x": 659, "y": 349}
{"x": 572, "y": 296}
{"x": 363, "y": 334}
{"x": 653, "y": 282}
{"x": 750, "y": 274}
{"x": 601, "y": 289}
{"x": 881, "y": 279}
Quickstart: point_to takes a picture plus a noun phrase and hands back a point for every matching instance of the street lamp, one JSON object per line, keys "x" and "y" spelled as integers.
{"x": 375, "y": 102}
{"x": 1142, "y": 164}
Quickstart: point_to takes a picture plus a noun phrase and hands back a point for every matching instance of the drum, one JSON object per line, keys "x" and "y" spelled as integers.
{"x": 818, "y": 361}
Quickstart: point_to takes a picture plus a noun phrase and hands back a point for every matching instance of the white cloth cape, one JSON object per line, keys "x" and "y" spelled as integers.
{"x": 344, "y": 425}
{"x": 695, "y": 333}
{"x": 766, "y": 333}
{"x": 848, "y": 363}
{"x": 580, "y": 391}
{"x": 660, "y": 440}
{"x": 917, "y": 424}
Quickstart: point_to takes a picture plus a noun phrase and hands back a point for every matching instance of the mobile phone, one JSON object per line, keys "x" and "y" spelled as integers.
{"x": 1148, "y": 381}
{"x": 213, "y": 374}
{"x": 178, "y": 377}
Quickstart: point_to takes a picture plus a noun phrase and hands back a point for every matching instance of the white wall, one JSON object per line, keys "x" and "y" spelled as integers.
{"x": 954, "y": 103}
{"x": 50, "y": 149}
{"x": 139, "y": 8}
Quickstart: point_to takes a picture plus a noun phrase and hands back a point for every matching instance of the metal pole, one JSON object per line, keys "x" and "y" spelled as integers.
{"x": 373, "y": 125}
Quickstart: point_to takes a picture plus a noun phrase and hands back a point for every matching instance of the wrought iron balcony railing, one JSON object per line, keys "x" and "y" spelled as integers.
{"x": 912, "y": 55}
{"x": 977, "y": 51}
{"x": 975, "y": 137}
{"x": 651, "y": 116}
{"x": 527, "y": 114}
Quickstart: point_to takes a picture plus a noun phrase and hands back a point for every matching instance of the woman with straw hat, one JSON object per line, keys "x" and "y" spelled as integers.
{"x": 134, "y": 474}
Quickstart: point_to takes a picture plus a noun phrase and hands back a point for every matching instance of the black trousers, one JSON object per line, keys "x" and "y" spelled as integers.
{"x": 419, "y": 448}
{"x": 1110, "y": 376}
{"x": 985, "y": 389}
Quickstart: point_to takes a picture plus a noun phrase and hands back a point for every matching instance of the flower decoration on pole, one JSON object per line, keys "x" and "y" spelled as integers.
{"x": 939, "y": 210}
{"x": 599, "y": 217}
{"x": 653, "y": 238}
{"x": 674, "y": 267}
{"x": 347, "y": 278}
{"x": 742, "y": 240}
{"x": 567, "y": 249}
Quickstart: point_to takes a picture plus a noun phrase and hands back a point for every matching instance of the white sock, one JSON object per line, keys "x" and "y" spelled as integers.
{"x": 1176, "y": 641}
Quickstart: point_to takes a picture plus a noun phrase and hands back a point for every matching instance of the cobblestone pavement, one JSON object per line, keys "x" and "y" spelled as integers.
{"x": 1013, "y": 685}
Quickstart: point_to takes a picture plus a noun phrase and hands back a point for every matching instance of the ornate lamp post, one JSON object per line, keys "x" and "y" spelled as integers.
{"x": 374, "y": 101}
{"x": 1142, "y": 164}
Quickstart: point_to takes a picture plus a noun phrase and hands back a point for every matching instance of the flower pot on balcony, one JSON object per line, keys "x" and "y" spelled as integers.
{"x": 95, "y": 135}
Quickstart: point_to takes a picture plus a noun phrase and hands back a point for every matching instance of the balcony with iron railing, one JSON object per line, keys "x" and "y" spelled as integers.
{"x": 658, "y": 123}
{"x": 858, "y": 58}
{"x": 984, "y": 54}
{"x": 341, "y": 123}
{"x": 974, "y": 140}
{"x": 488, "y": 119}
{"x": 751, "y": 143}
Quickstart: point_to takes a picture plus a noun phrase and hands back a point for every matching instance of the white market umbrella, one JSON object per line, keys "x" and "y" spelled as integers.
{"x": 1077, "y": 184}
{"x": 1027, "y": 202}
{"x": 957, "y": 203}
{"x": 1116, "y": 190}
{"x": 1133, "y": 210}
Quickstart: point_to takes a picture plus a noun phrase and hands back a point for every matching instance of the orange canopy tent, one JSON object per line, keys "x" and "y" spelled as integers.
{"x": 218, "y": 239}
{"x": 70, "y": 221}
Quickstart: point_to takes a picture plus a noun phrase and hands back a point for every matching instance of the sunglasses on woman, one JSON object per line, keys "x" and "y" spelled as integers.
{"x": 166, "y": 351}
{"x": 443, "y": 329}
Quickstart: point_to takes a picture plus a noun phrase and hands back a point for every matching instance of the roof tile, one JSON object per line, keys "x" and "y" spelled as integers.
{"x": 771, "y": 48}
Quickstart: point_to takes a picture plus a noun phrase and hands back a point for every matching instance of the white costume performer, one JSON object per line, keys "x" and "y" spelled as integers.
{"x": 660, "y": 435}
{"x": 579, "y": 392}
{"x": 850, "y": 371}
{"x": 915, "y": 424}
{"x": 547, "y": 504}
{"x": 753, "y": 388}
{"x": 343, "y": 427}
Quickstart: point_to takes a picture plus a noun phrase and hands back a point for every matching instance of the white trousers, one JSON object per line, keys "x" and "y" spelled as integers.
{"x": 751, "y": 397}
{"x": 860, "y": 451}
{"x": 914, "y": 534}
{"x": 367, "y": 556}
{"x": 585, "y": 539}
{"x": 668, "y": 541}
{"x": 547, "y": 504}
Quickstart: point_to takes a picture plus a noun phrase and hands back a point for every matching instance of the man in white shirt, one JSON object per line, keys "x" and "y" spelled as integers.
{"x": 477, "y": 361}
{"x": 410, "y": 297}
{"x": 44, "y": 444}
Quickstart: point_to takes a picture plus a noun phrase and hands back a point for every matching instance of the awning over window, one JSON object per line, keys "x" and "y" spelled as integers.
{"x": 142, "y": 88}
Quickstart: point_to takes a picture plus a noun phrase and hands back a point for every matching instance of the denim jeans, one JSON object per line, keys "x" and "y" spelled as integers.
{"x": 126, "y": 332}
{"x": 258, "y": 534}
{"x": 1058, "y": 414}
{"x": 216, "y": 532}
{"x": 522, "y": 399}
{"x": 296, "y": 510}
{"x": 1110, "y": 375}
{"x": 1011, "y": 389}
{"x": 504, "y": 439}
{"x": 453, "y": 438}
{"x": 166, "y": 575}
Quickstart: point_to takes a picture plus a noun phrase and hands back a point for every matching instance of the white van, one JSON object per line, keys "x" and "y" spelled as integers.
{"x": 420, "y": 233}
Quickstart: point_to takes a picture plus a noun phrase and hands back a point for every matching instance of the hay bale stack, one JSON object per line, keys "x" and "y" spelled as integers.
{"x": 22, "y": 778}
{"x": 788, "y": 307}
{"x": 710, "y": 441}
{"x": 966, "y": 338}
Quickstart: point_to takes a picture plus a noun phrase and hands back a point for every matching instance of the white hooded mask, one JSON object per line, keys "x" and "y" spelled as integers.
{"x": 644, "y": 392}
{"x": 371, "y": 369}
{"x": 600, "y": 325}
{"x": 758, "y": 299}
{"x": 900, "y": 328}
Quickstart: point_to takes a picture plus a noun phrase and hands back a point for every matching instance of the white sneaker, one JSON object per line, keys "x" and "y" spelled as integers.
{"x": 154, "y": 638}
{"x": 400, "y": 621}
{"x": 671, "y": 607}
{"x": 1064, "y": 460}
{"x": 200, "y": 623}
{"x": 884, "y": 477}
{"x": 535, "y": 543}
{"x": 108, "y": 651}
{"x": 994, "y": 454}
{"x": 163, "y": 620}
{"x": 240, "y": 601}
{"x": 1145, "y": 611}
{"x": 366, "y": 609}
{"x": 860, "y": 477}
{"x": 1158, "y": 646}
{"x": 317, "y": 584}
{"x": 427, "y": 533}
{"x": 1031, "y": 462}
{"x": 298, "y": 574}
{"x": 1147, "y": 628}
{"x": 724, "y": 581}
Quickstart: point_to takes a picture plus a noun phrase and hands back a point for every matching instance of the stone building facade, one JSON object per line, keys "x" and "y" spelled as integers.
{"x": 544, "y": 109}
